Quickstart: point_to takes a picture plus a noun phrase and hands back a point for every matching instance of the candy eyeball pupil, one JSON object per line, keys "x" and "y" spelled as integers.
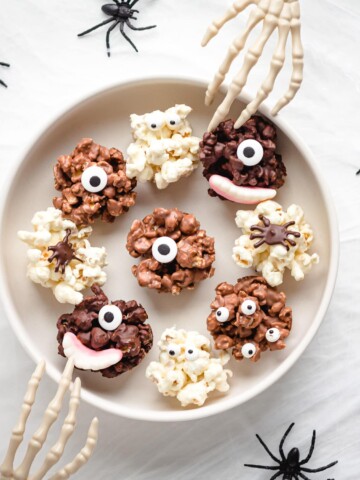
{"x": 249, "y": 307}
{"x": 153, "y": 125}
{"x": 171, "y": 352}
{"x": 108, "y": 317}
{"x": 271, "y": 332}
{"x": 164, "y": 249}
{"x": 249, "y": 152}
{"x": 218, "y": 313}
{"x": 250, "y": 352}
{"x": 172, "y": 122}
{"x": 190, "y": 351}
{"x": 95, "y": 181}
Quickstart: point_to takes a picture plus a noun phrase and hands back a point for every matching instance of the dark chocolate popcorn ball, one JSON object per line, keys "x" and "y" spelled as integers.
{"x": 99, "y": 335}
{"x": 175, "y": 254}
{"x": 241, "y": 164}
{"x": 93, "y": 183}
{"x": 249, "y": 318}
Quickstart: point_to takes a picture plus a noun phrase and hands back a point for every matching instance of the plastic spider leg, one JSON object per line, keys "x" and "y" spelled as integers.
{"x": 277, "y": 63}
{"x": 51, "y": 414}
{"x": 237, "y": 7}
{"x": 3, "y": 84}
{"x": 67, "y": 430}
{"x": 17, "y": 436}
{"x": 298, "y": 60}
{"x": 267, "y": 449}
{"x": 281, "y": 451}
{"x": 234, "y": 50}
{"x": 304, "y": 477}
{"x": 250, "y": 60}
{"x": 276, "y": 476}
{"x": 4, "y": 64}
{"x": 131, "y": 4}
{"x": 110, "y": 29}
{"x": 130, "y": 25}
{"x": 96, "y": 27}
{"x": 311, "y": 451}
{"x": 126, "y": 37}
{"x": 321, "y": 469}
{"x": 261, "y": 467}
{"x": 83, "y": 456}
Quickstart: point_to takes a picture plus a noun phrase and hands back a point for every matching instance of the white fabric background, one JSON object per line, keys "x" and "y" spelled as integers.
{"x": 50, "y": 69}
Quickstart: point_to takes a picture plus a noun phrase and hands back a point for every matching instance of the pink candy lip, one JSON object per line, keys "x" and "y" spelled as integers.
{"x": 246, "y": 195}
{"x": 87, "y": 359}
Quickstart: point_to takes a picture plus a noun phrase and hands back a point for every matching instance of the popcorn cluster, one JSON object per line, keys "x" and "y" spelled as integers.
{"x": 49, "y": 228}
{"x": 164, "y": 149}
{"x": 186, "y": 370}
{"x": 271, "y": 259}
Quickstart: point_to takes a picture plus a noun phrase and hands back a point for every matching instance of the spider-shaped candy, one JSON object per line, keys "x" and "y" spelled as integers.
{"x": 290, "y": 466}
{"x": 121, "y": 13}
{"x": 273, "y": 234}
{"x": 63, "y": 252}
{"x": 1, "y": 81}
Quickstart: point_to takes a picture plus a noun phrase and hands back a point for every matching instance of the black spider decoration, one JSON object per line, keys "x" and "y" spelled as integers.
{"x": 3, "y": 65}
{"x": 290, "y": 466}
{"x": 121, "y": 12}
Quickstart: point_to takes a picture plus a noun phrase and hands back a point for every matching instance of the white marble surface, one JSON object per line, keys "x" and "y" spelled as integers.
{"x": 50, "y": 69}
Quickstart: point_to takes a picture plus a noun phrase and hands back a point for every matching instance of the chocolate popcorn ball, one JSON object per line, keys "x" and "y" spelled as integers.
{"x": 93, "y": 183}
{"x": 237, "y": 160}
{"x": 175, "y": 253}
{"x": 110, "y": 337}
{"x": 249, "y": 318}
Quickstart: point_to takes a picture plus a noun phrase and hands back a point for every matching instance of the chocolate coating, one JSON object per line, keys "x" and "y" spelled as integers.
{"x": 271, "y": 312}
{"x": 133, "y": 336}
{"x": 81, "y": 206}
{"x": 195, "y": 251}
{"x": 218, "y": 154}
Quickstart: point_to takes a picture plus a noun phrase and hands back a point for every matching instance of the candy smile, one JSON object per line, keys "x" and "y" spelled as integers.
{"x": 87, "y": 359}
{"x": 239, "y": 194}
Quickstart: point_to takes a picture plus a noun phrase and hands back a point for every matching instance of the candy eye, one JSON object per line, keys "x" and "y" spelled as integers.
{"x": 174, "y": 350}
{"x": 222, "y": 314}
{"x": 173, "y": 120}
{"x": 191, "y": 353}
{"x": 250, "y": 152}
{"x": 164, "y": 249}
{"x": 94, "y": 179}
{"x": 110, "y": 317}
{"x": 272, "y": 335}
{"x": 155, "y": 121}
{"x": 248, "y": 307}
{"x": 248, "y": 350}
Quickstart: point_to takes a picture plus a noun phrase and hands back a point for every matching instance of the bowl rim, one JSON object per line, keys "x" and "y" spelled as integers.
{"x": 226, "y": 402}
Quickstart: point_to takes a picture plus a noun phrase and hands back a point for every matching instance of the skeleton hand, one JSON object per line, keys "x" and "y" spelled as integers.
{"x": 7, "y": 470}
{"x": 283, "y": 15}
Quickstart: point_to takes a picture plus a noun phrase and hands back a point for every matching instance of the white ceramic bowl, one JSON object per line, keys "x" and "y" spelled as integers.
{"x": 33, "y": 311}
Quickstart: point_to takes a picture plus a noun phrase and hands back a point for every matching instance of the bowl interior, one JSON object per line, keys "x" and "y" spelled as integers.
{"x": 33, "y": 310}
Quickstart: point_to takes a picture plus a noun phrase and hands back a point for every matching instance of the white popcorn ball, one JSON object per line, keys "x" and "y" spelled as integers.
{"x": 164, "y": 149}
{"x": 76, "y": 266}
{"x": 270, "y": 249}
{"x": 186, "y": 370}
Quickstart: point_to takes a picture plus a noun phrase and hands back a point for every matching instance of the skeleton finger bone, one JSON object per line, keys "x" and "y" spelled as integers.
{"x": 251, "y": 58}
{"x": 298, "y": 61}
{"x": 83, "y": 456}
{"x": 231, "y": 13}
{"x": 234, "y": 50}
{"x": 277, "y": 62}
{"x": 6, "y": 469}
{"x": 51, "y": 414}
{"x": 67, "y": 430}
